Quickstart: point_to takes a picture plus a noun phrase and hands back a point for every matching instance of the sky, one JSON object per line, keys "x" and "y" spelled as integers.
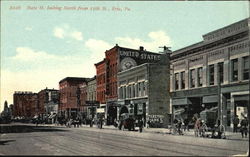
{"x": 43, "y": 42}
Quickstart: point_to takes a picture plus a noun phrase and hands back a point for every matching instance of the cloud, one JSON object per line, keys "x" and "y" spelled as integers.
{"x": 37, "y": 79}
{"x": 76, "y": 35}
{"x": 97, "y": 48}
{"x": 44, "y": 70}
{"x": 28, "y": 54}
{"x": 66, "y": 31}
{"x": 59, "y": 32}
{"x": 28, "y": 28}
{"x": 157, "y": 38}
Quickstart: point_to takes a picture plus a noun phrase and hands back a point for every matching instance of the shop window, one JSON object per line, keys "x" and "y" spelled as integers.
{"x": 211, "y": 74}
{"x": 246, "y": 68}
{"x": 183, "y": 80}
{"x": 200, "y": 77}
{"x": 234, "y": 75}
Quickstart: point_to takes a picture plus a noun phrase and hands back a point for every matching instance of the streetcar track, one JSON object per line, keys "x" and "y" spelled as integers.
{"x": 115, "y": 140}
{"x": 138, "y": 145}
{"x": 111, "y": 145}
{"x": 63, "y": 147}
{"x": 173, "y": 142}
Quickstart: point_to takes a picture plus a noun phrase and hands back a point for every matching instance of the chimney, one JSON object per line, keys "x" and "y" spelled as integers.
{"x": 141, "y": 48}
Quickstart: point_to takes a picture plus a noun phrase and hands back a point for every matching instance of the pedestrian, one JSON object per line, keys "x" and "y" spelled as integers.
{"x": 148, "y": 124}
{"x": 179, "y": 124}
{"x": 186, "y": 122}
{"x": 243, "y": 127}
{"x": 197, "y": 126}
{"x": 101, "y": 123}
{"x": 203, "y": 128}
{"x": 220, "y": 129}
{"x": 236, "y": 122}
{"x": 140, "y": 123}
{"x": 91, "y": 123}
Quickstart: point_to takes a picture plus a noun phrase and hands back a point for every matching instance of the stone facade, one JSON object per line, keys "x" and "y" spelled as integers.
{"x": 143, "y": 92}
{"x": 212, "y": 73}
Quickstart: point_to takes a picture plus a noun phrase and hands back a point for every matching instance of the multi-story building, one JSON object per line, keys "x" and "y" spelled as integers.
{"x": 70, "y": 104}
{"x": 92, "y": 103}
{"x": 118, "y": 59}
{"x": 83, "y": 97}
{"x": 101, "y": 81}
{"x": 48, "y": 101}
{"x": 25, "y": 104}
{"x": 213, "y": 73}
{"x": 143, "y": 92}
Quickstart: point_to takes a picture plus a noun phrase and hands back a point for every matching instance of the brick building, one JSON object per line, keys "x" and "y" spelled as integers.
{"x": 101, "y": 81}
{"x": 213, "y": 74}
{"x": 118, "y": 59}
{"x": 70, "y": 103}
{"x": 25, "y": 104}
{"x": 48, "y": 101}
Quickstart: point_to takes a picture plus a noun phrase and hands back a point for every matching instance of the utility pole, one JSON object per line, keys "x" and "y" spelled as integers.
{"x": 219, "y": 97}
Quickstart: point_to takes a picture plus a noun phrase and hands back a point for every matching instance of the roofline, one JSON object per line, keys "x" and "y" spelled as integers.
{"x": 139, "y": 50}
{"x": 246, "y": 19}
{"x": 91, "y": 79}
{"x": 96, "y": 64}
{"x": 74, "y": 78}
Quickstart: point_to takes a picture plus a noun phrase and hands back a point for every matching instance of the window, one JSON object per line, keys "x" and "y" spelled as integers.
{"x": 200, "y": 77}
{"x": 139, "y": 89}
{"x": 124, "y": 92}
{"x": 120, "y": 93}
{"x": 144, "y": 88}
{"x": 211, "y": 74}
{"x": 176, "y": 81}
{"x": 133, "y": 95}
{"x": 221, "y": 72}
{"x": 183, "y": 80}
{"x": 192, "y": 78}
{"x": 246, "y": 68}
{"x": 234, "y": 75}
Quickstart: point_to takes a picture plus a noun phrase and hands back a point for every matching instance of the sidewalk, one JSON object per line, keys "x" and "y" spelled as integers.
{"x": 229, "y": 135}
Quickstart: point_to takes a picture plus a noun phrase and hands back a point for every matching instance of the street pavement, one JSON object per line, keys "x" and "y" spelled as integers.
{"x": 109, "y": 141}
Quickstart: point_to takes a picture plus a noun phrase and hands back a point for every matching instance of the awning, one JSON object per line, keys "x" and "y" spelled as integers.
{"x": 52, "y": 116}
{"x": 182, "y": 101}
{"x": 210, "y": 99}
{"x": 179, "y": 111}
{"x": 241, "y": 98}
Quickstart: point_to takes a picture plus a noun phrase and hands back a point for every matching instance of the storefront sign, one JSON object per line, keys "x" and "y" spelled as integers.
{"x": 100, "y": 110}
{"x": 141, "y": 55}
